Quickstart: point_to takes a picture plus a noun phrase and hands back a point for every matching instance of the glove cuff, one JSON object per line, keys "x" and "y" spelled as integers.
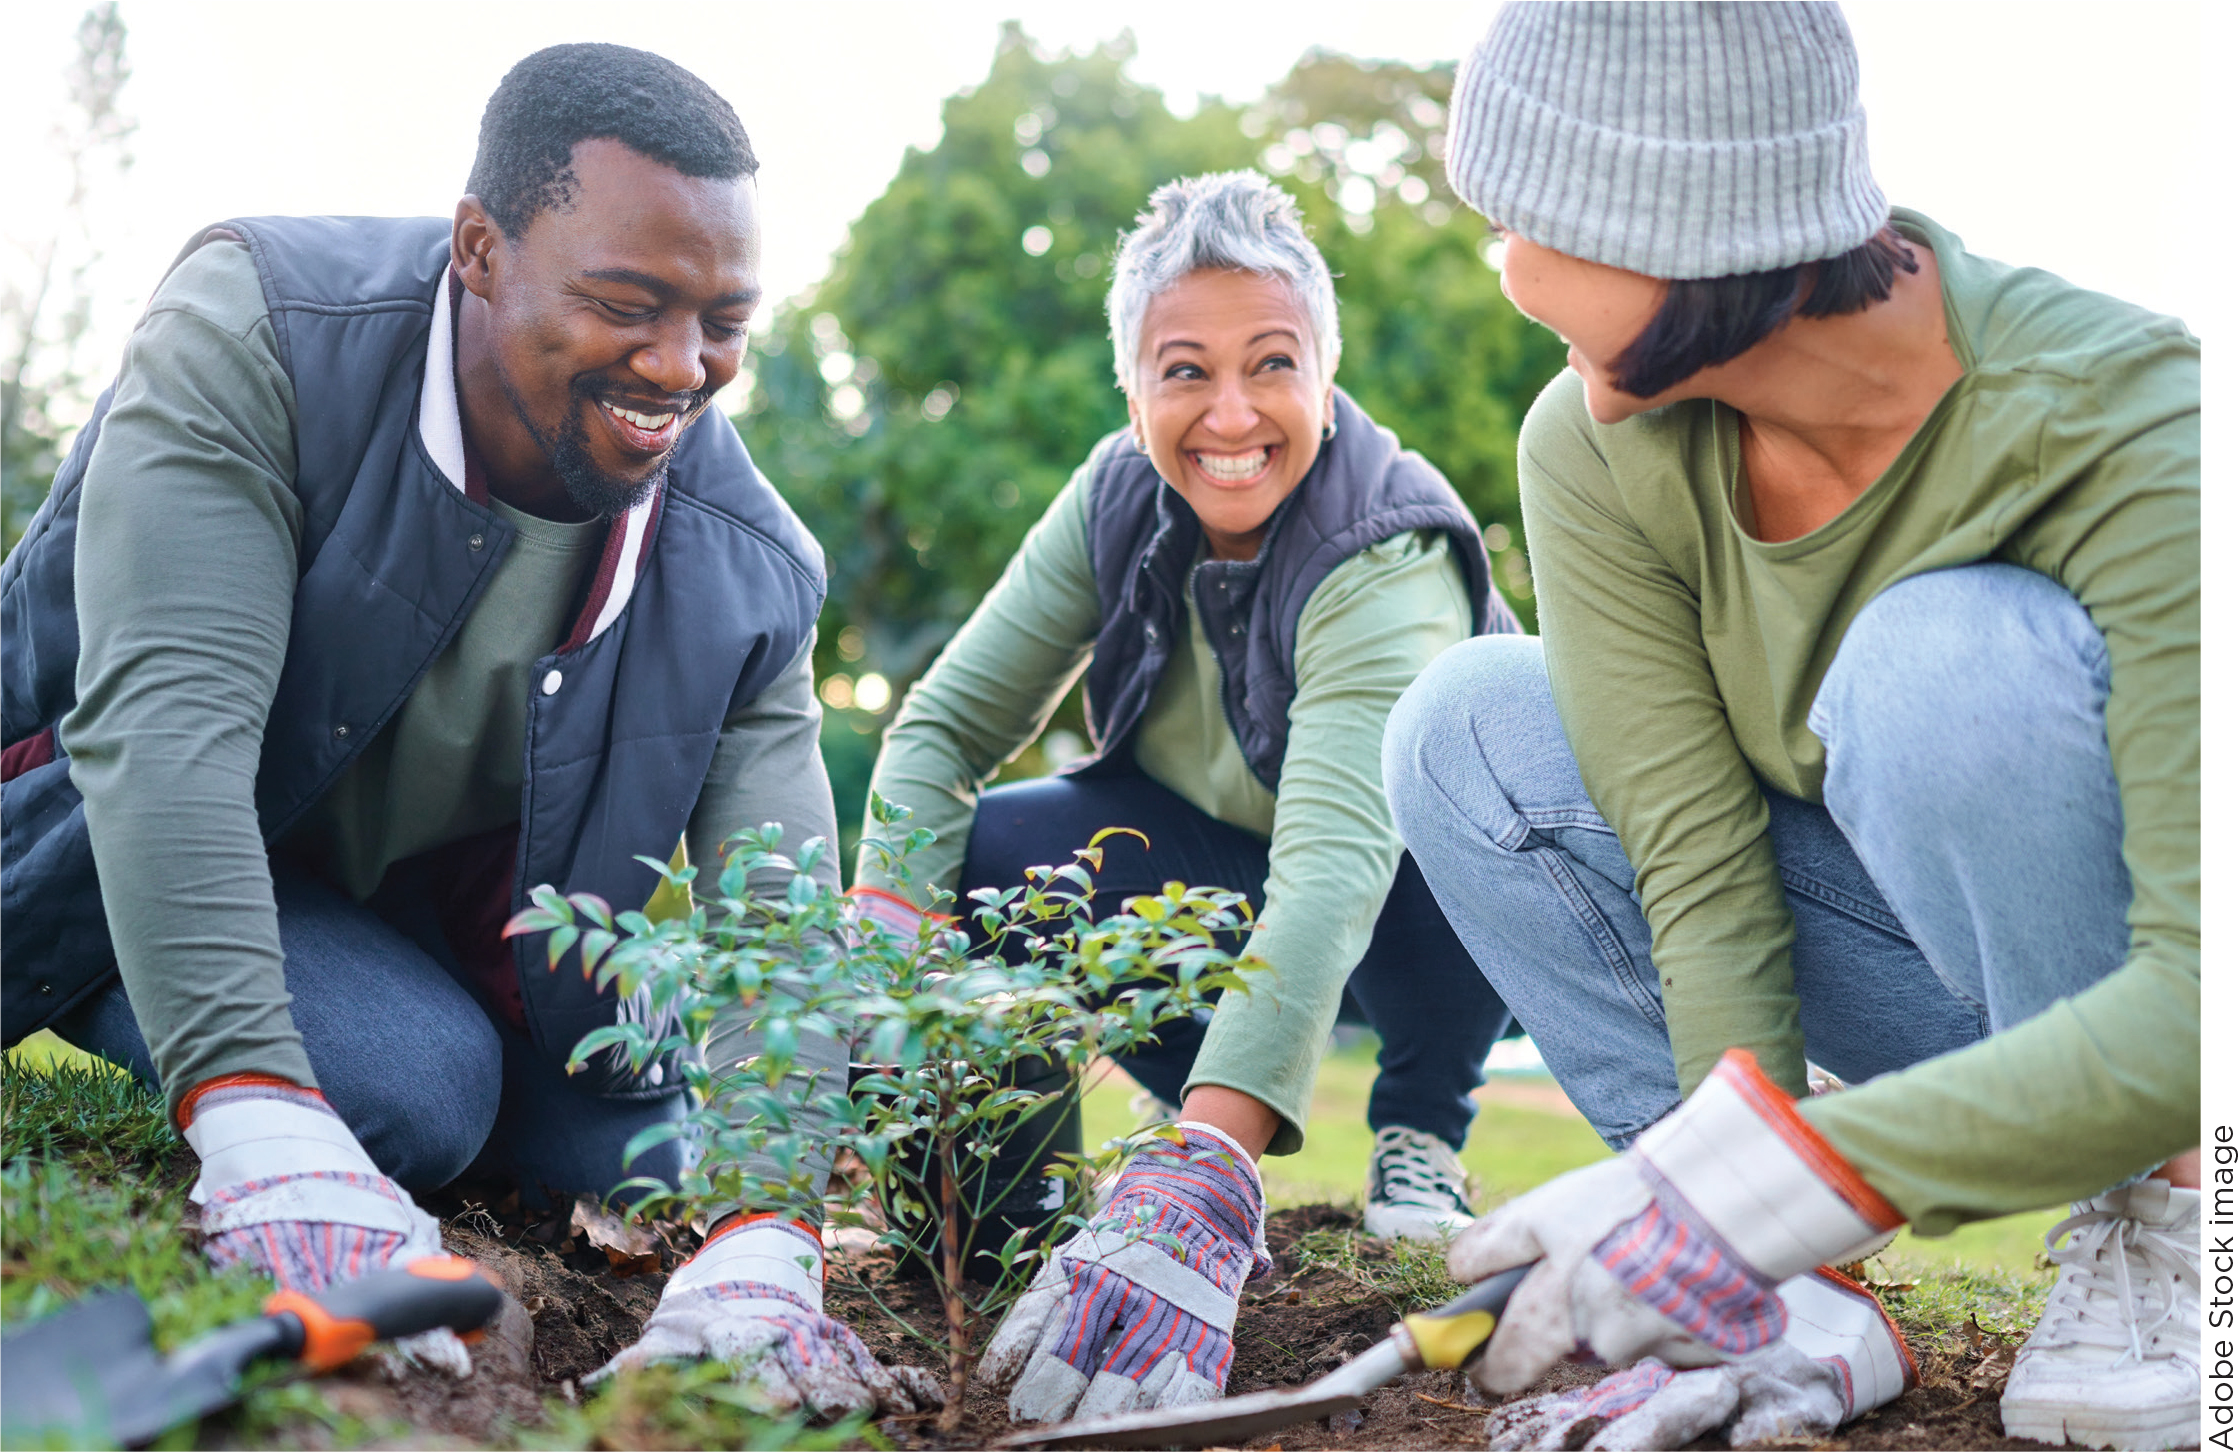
{"x": 1758, "y": 1175}
{"x": 891, "y": 911}
{"x": 1831, "y": 1318}
{"x": 252, "y": 1128}
{"x": 765, "y": 1250}
{"x": 229, "y": 1088}
{"x": 1222, "y": 1140}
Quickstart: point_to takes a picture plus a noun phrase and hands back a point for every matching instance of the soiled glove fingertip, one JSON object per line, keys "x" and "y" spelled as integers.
{"x": 922, "y": 1387}
{"x": 1496, "y": 1243}
{"x": 1533, "y": 1333}
{"x": 1048, "y": 1391}
{"x": 440, "y": 1350}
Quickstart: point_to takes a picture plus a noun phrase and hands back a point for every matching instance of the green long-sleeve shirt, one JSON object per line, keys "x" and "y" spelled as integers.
{"x": 1369, "y": 629}
{"x": 186, "y": 573}
{"x": 1684, "y": 656}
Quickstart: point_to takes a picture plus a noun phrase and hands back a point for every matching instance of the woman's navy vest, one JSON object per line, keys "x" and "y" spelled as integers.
{"x": 392, "y": 559}
{"x": 1143, "y": 540}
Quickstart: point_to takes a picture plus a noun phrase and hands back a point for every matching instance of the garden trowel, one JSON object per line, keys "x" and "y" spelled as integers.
{"x": 90, "y": 1375}
{"x": 1450, "y": 1336}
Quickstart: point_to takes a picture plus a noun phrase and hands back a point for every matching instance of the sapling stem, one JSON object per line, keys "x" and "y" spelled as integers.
{"x": 952, "y": 1285}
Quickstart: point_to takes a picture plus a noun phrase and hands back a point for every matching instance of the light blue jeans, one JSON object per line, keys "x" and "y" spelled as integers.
{"x": 1964, "y": 873}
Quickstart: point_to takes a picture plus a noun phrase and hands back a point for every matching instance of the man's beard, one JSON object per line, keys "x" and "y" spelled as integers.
{"x": 592, "y": 490}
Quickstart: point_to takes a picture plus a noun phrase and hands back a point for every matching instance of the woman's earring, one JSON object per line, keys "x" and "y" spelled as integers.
{"x": 1328, "y": 430}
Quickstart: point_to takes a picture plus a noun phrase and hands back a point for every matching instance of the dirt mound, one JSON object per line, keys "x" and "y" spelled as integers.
{"x": 577, "y": 1296}
{"x": 1307, "y": 1319}
{"x": 567, "y": 1310}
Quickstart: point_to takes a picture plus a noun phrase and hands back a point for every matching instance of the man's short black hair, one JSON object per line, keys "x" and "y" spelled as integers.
{"x": 569, "y": 93}
{"x": 1714, "y": 320}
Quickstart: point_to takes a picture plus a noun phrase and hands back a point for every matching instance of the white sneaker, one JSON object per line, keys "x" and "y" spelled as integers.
{"x": 2115, "y": 1361}
{"x": 1417, "y": 1189}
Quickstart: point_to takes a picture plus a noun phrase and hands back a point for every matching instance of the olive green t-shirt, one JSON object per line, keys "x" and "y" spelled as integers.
{"x": 1367, "y": 631}
{"x": 1684, "y": 655}
{"x": 450, "y": 764}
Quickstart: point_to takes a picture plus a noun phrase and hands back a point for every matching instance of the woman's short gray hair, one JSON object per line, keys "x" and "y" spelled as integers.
{"x": 1229, "y": 219}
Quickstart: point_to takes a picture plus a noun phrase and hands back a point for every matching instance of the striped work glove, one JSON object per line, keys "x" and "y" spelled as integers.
{"x": 897, "y": 915}
{"x": 1840, "y": 1357}
{"x": 1676, "y": 1248}
{"x": 286, "y": 1188}
{"x": 1139, "y": 1310}
{"x": 754, "y": 1297}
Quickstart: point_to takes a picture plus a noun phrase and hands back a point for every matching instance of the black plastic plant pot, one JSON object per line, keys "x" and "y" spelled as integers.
{"x": 1013, "y": 1190}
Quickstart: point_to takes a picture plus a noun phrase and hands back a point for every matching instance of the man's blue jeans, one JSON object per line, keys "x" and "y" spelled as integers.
{"x": 428, "y": 1079}
{"x": 1964, "y": 873}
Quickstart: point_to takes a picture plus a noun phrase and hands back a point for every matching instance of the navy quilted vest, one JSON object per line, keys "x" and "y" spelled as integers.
{"x": 393, "y": 557}
{"x": 1362, "y": 489}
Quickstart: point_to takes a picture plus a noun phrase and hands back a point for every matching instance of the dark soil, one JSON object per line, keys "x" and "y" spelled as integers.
{"x": 573, "y": 1304}
{"x": 569, "y": 1307}
{"x": 1296, "y": 1326}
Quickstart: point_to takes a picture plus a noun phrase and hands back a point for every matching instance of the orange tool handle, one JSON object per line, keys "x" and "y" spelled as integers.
{"x": 342, "y": 1320}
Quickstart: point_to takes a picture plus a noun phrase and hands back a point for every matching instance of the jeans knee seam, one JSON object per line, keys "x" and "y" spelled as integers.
{"x": 1843, "y": 902}
{"x": 1505, "y": 841}
{"x": 1612, "y": 950}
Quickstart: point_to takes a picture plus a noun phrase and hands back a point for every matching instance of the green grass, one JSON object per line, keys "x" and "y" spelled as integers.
{"x": 93, "y": 1188}
{"x": 92, "y": 1195}
{"x": 684, "y": 1406}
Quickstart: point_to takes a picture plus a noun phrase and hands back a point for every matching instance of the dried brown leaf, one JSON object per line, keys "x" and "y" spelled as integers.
{"x": 611, "y": 1233}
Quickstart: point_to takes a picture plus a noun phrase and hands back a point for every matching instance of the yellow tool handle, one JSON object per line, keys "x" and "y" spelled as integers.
{"x": 1455, "y": 1332}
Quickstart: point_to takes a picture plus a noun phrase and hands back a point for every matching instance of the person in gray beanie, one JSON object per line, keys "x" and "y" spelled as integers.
{"x": 1864, "y": 726}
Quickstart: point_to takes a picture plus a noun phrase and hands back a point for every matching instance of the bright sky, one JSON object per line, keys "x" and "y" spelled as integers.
{"x": 2063, "y": 135}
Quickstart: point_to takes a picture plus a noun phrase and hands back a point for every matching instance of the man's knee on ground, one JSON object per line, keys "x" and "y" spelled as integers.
{"x": 424, "y": 1125}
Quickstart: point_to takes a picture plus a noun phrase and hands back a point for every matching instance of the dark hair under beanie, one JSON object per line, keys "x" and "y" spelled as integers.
{"x": 569, "y": 93}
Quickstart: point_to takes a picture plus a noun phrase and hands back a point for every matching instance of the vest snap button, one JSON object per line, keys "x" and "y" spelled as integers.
{"x": 552, "y": 683}
{"x": 341, "y": 733}
{"x": 473, "y": 541}
{"x": 46, "y": 990}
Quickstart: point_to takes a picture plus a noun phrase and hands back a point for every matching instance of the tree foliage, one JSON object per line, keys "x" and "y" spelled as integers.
{"x": 923, "y": 406}
{"x": 44, "y": 324}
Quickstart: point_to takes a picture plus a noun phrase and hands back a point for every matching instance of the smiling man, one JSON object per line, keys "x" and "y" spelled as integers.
{"x": 401, "y": 570}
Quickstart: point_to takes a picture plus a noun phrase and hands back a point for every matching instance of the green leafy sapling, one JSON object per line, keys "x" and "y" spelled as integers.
{"x": 772, "y": 961}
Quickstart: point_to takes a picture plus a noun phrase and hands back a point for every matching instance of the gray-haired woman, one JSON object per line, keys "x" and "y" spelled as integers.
{"x": 1249, "y": 574}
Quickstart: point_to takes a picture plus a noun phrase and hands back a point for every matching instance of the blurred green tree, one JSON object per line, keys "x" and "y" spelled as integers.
{"x": 1432, "y": 349}
{"x": 45, "y": 319}
{"x": 923, "y": 406}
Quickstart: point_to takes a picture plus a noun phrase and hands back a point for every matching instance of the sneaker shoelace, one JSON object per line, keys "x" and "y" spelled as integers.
{"x": 2120, "y": 1286}
{"x": 1411, "y": 1170}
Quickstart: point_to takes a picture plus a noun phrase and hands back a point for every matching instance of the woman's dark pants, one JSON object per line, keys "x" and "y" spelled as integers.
{"x": 1417, "y": 987}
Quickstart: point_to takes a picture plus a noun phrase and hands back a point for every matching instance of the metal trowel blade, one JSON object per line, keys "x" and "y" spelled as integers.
{"x": 90, "y": 1375}
{"x": 1232, "y": 1421}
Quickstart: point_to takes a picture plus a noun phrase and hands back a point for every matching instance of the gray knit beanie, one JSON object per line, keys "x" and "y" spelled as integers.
{"x": 1679, "y": 139}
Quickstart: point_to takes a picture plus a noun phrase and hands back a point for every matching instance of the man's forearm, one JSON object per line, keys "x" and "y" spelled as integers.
{"x": 185, "y": 584}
